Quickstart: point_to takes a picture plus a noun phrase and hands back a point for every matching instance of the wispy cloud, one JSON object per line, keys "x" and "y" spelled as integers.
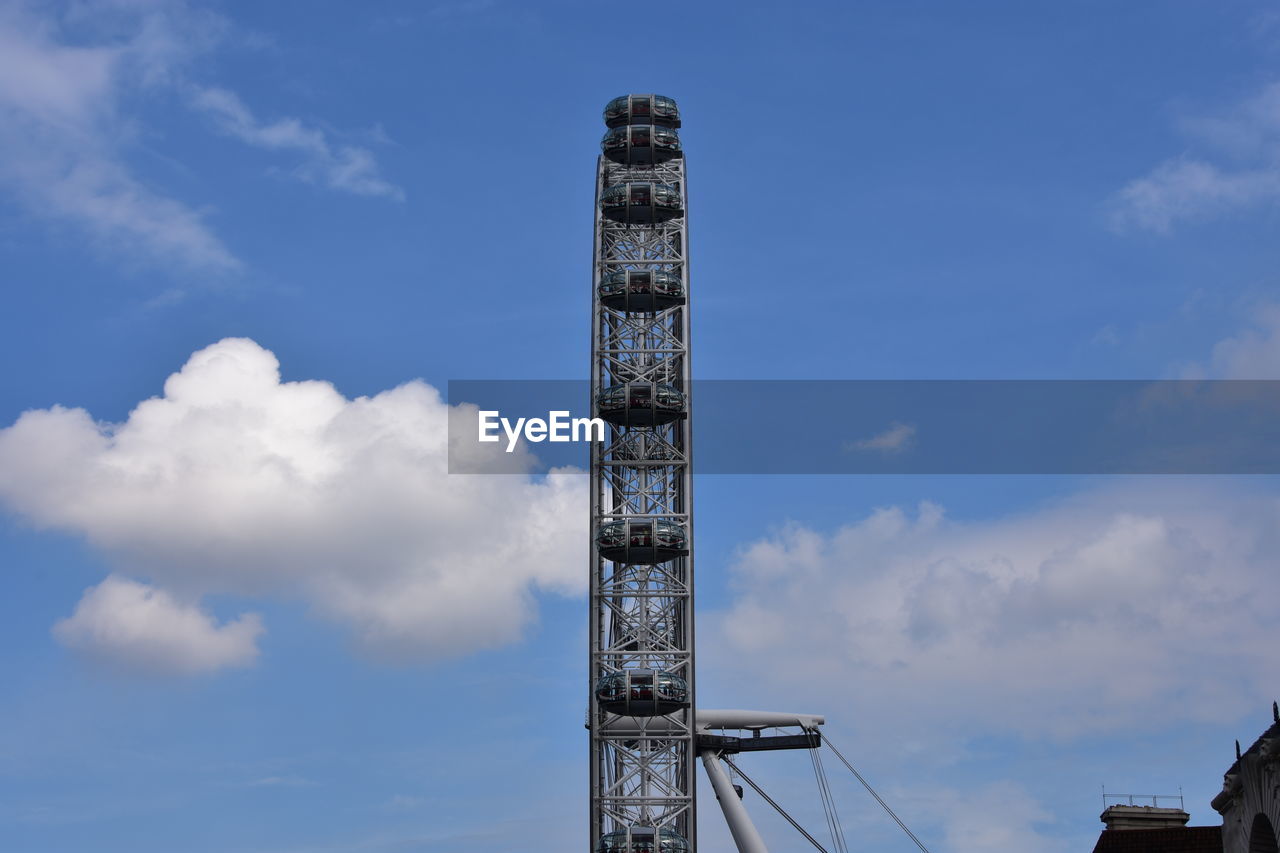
{"x": 69, "y": 77}
{"x": 1246, "y": 140}
{"x": 63, "y": 139}
{"x": 401, "y": 803}
{"x": 895, "y": 439}
{"x": 347, "y": 168}
{"x": 1251, "y": 353}
{"x": 1187, "y": 190}
{"x": 966, "y": 816}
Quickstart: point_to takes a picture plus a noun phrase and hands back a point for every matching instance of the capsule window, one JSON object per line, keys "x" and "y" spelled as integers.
{"x": 644, "y": 290}
{"x": 643, "y": 839}
{"x": 642, "y": 541}
{"x": 641, "y": 109}
{"x": 640, "y": 404}
{"x": 642, "y": 692}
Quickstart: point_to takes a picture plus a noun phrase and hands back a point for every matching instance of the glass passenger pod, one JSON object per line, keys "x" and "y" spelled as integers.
{"x": 644, "y": 291}
{"x": 642, "y": 693}
{"x": 642, "y": 109}
{"x": 643, "y": 839}
{"x": 642, "y": 404}
{"x": 640, "y": 144}
{"x": 642, "y": 541}
{"x": 641, "y": 203}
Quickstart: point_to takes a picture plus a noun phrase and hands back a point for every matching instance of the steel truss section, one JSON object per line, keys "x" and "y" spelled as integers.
{"x": 642, "y": 615}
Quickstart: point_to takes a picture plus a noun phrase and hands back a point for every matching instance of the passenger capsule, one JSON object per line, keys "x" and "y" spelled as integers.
{"x": 641, "y": 290}
{"x": 643, "y": 839}
{"x": 641, "y": 203}
{"x": 640, "y": 404}
{"x": 641, "y": 541}
{"x": 642, "y": 109}
{"x": 642, "y": 693}
{"x": 640, "y": 144}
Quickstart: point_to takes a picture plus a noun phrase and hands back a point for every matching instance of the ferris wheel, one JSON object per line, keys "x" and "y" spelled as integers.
{"x": 647, "y": 735}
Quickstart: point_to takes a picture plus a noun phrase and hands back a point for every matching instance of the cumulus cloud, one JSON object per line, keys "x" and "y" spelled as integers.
{"x": 1187, "y": 188}
{"x": 131, "y": 625}
{"x": 1093, "y": 615}
{"x": 345, "y": 167}
{"x": 236, "y": 482}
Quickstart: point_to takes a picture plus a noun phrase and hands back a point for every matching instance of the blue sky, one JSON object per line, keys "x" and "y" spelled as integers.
{"x": 245, "y": 246}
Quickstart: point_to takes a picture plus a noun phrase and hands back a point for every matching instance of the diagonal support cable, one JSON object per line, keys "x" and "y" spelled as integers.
{"x": 872, "y": 791}
{"x": 769, "y": 800}
{"x": 828, "y": 799}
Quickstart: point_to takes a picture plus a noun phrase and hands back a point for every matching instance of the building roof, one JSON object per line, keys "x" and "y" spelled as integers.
{"x": 1181, "y": 839}
{"x": 1272, "y": 732}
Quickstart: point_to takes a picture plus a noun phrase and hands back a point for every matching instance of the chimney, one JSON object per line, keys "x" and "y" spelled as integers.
{"x": 1143, "y": 817}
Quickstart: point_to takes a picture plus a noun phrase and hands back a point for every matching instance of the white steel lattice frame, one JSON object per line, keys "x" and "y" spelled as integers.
{"x": 641, "y": 615}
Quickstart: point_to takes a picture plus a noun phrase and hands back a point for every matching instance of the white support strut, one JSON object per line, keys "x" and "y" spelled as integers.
{"x": 735, "y": 814}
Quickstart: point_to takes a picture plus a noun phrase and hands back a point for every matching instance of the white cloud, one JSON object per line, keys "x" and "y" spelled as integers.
{"x": 1094, "y": 615}
{"x": 127, "y": 624}
{"x": 68, "y": 134}
{"x": 62, "y": 139}
{"x": 1252, "y": 353}
{"x": 236, "y": 482}
{"x": 1189, "y": 188}
{"x": 997, "y": 817}
{"x": 348, "y": 168}
{"x": 893, "y": 440}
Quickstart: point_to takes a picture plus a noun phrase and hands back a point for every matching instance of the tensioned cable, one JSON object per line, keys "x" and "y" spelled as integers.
{"x": 769, "y": 800}
{"x": 831, "y": 797}
{"x": 822, "y": 792}
{"x": 822, "y": 796}
{"x": 828, "y": 800}
{"x": 873, "y": 793}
